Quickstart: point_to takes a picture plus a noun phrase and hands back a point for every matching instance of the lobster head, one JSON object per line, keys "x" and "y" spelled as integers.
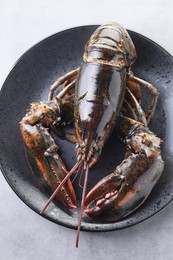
{"x": 111, "y": 44}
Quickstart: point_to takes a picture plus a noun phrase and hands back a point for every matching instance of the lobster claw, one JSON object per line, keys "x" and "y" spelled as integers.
{"x": 124, "y": 190}
{"x": 51, "y": 167}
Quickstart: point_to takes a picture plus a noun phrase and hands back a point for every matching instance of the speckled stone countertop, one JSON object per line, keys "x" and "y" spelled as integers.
{"x": 26, "y": 235}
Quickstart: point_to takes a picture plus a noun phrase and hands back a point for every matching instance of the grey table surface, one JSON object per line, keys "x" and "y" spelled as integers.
{"x": 23, "y": 233}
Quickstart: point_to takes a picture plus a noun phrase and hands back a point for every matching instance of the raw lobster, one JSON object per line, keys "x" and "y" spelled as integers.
{"x": 101, "y": 94}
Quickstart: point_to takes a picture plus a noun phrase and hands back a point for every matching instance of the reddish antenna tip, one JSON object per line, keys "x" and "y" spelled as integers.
{"x": 77, "y": 243}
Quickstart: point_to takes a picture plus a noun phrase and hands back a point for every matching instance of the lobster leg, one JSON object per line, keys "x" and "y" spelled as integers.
{"x": 70, "y": 137}
{"x": 134, "y": 88}
{"x": 70, "y": 76}
{"x": 124, "y": 190}
{"x": 151, "y": 89}
{"x": 133, "y": 104}
{"x": 67, "y": 88}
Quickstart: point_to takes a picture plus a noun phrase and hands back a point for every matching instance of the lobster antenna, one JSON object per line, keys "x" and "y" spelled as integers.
{"x": 80, "y": 179}
{"x": 82, "y": 203}
{"x": 78, "y": 170}
{"x": 61, "y": 184}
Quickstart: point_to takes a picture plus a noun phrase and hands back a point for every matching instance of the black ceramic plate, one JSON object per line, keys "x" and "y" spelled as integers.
{"x": 30, "y": 80}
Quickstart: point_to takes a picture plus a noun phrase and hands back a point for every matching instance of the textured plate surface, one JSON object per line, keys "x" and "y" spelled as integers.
{"x": 30, "y": 80}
